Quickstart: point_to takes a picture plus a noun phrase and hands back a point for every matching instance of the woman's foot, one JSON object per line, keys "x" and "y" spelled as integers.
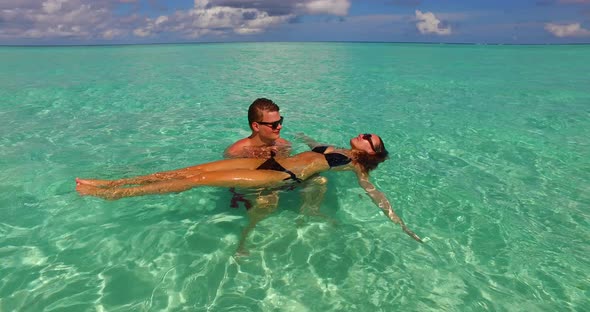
{"x": 85, "y": 189}
{"x": 95, "y": 183}
{"x": 90, "y": 190}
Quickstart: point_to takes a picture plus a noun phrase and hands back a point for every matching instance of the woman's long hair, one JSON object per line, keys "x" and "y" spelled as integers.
{"x": 368, "y": 161}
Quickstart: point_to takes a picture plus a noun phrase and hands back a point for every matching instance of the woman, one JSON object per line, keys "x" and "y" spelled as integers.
{"x": 366, "y": 152}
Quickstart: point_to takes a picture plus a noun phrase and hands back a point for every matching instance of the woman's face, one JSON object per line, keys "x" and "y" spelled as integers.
{"x": 365, "y": 142}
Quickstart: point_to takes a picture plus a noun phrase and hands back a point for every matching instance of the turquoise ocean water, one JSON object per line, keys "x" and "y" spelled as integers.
{"x": 490, "y": 162}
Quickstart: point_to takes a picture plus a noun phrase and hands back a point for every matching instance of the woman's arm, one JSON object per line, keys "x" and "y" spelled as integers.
{"x": 309, "y": 141}
{"x": 381, "y": 201}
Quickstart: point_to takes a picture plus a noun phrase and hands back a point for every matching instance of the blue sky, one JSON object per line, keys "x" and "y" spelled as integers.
{"x": 40, "y": 22}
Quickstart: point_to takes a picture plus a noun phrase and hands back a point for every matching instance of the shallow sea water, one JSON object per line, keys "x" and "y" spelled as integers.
{"x": 489, "y": 163}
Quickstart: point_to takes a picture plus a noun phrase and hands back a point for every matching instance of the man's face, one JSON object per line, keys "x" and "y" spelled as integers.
{"x": 266, "y": 131}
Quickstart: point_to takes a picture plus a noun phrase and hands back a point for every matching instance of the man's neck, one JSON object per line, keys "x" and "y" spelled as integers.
{"x": 256, "y": 140}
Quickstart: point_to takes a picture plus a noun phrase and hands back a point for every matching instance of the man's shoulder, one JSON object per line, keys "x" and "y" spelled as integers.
{"x": 237, "y": 148}
{"x": 281, "y": 141}
{"x": 241, "y": 143}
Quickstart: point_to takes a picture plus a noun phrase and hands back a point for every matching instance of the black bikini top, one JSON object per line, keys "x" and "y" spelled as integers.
{"x": 333, "y": 159}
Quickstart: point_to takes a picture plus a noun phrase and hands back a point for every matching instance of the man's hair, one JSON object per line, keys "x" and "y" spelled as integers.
{"x": 255, "y": 112}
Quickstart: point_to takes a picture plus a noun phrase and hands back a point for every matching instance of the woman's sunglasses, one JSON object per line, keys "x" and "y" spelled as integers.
{"x": 368, "y": 136}
{"x": 274, "y": 125}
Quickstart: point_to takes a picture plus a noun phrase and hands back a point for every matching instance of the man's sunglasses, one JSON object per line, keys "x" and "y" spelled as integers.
{"x": 368, "y": 136}
{"x": 274, "y": 125}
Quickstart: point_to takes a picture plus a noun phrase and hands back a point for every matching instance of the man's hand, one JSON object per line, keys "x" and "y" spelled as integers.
{"x": 266, "y": 151}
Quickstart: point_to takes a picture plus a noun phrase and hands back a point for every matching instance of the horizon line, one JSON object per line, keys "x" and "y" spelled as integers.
{"x": 319, "y": 41}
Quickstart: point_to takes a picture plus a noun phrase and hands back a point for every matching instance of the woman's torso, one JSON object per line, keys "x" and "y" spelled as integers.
{"x": 307, "y": 164}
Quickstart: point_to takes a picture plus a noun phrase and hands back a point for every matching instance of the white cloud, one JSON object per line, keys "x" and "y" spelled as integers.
{"x": 97, "y": 20}
{"x": 429, "y": 24}
{"x": 567, "y": 30}
{"x": 333, "y": 7}
{"x": 141, "y": 32}
{"x": 201, "y": 21}
{"x": 111, "y": 33}
{"x": 81, "y": 19}
{"x": 52, "y": 6}
{"x": 201, "y": 4}
{"x": 12, "y": 4}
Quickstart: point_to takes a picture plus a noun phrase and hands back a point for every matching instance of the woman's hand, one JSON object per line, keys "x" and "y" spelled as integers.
{"x": 381, "y": 201}
{"x": 307, "y": 140}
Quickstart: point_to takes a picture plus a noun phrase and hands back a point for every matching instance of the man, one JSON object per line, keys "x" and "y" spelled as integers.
{"x": 266, "y": 123}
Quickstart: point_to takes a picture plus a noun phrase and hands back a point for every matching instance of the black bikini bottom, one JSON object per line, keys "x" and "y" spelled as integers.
{"x": 272, "y": 164}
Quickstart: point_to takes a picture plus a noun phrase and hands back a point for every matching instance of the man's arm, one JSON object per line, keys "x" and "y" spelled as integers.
{"x": 242, "y": 149}
{"x": 381, "y": 201}
{"x": 282, "y": 148}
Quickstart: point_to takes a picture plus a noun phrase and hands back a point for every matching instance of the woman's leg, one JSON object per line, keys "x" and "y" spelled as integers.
{"x": 242, "y": 178}
{"x": 183, "y": 173}
{"x": 146, "y": 179}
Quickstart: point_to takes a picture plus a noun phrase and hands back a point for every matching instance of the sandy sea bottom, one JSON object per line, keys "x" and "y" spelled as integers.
{"x": 488, "y": 162}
